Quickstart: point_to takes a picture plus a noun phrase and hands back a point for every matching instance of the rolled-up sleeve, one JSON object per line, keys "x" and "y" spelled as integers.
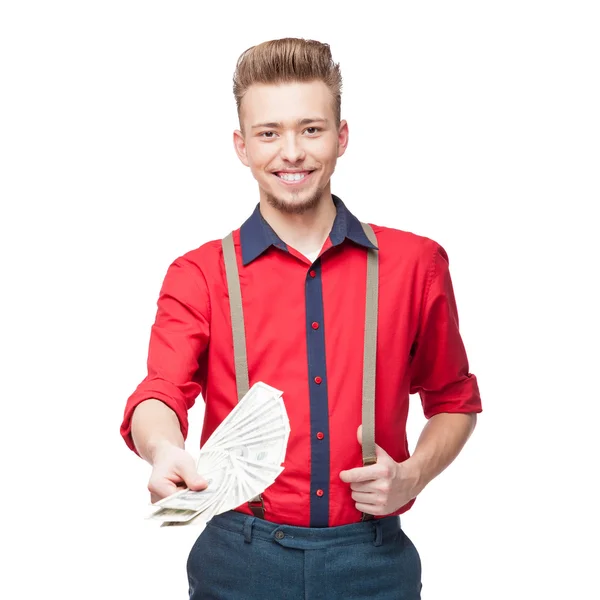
{"x": 439, "y": 368}
{"x": 178, "y": 342}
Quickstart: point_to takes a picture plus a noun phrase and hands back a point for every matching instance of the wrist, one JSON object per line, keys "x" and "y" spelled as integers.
{"x": 413, "y": 471}
{"x": 158, "y": 446}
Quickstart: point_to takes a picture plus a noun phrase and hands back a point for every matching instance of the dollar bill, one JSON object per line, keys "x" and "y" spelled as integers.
{"x": 241, "y": 459}
{"x": 173, "y": 515}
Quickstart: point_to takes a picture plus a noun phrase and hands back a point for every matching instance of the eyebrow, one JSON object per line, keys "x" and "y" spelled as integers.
{"x": 307, "y": 121}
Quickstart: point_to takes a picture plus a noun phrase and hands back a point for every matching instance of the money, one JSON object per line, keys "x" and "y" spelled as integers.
{"x": 173, "y": 515}
{"x": 240, "y": 460}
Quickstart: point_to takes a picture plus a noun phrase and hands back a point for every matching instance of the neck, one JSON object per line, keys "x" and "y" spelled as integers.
{"x": 306, "y": 232}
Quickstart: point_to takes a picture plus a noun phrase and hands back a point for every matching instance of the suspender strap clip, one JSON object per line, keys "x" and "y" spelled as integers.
{"x": 257, "y": 506}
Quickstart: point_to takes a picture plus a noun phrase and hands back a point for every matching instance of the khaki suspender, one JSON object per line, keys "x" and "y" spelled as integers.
{"x": 370, "y": 351}
{"x": 370, "y": 348}
{"x": 237, "y": 318}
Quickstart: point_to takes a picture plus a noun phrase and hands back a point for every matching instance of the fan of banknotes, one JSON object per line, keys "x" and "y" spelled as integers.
{"x": 240, "y": 460}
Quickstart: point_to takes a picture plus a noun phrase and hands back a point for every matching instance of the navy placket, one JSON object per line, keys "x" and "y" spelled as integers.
{"x": 256, "y": 237}
{"x": 319, "y": 411}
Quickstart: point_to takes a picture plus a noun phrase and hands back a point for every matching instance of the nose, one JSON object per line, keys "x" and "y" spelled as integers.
{"x": 291, "y": 149}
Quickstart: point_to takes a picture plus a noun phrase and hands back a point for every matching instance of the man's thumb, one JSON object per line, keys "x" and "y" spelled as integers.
{"x": 380, "y": 452}
{"x": 194, "y": 480}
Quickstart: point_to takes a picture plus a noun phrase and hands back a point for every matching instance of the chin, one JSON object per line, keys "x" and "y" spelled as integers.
{"x": 295, "y": 204}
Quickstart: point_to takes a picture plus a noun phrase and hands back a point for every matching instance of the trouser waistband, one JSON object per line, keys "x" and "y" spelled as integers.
{"x": 377, "y": 531}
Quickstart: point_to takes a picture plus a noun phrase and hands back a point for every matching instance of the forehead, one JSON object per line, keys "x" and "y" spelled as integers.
{"x": 286, "y": 102}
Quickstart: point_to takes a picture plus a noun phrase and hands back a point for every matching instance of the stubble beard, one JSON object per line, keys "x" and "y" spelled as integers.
{"x": 295, "y": 208}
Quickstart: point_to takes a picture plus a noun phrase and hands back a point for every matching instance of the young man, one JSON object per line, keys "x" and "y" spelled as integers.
{"x": 330, "y": 526}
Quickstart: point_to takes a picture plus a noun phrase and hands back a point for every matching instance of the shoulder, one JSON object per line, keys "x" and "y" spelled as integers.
{"x": 203, "y": 258}
{"x": 196, "y": 267}
{"x": 397, "y": 244}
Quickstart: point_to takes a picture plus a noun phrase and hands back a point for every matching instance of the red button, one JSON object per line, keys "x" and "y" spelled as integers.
{"x": 313, "y": 273}
{"x": 318, "y": 379}
{"x": 320, "y": 493}
{"x": 315, "y": 325}
{"x": 320, "y": 435}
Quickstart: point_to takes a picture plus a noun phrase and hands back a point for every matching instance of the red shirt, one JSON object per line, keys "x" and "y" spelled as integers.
{"x": 304, "y": 335}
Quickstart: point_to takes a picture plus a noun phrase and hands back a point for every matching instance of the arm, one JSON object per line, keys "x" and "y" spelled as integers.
{"x": 153, "y": 425}
{"x": 386, "y": 486}
{"x": 155, "y": 421}
{"x": 440, "y": 442}
{"x": 450, "y": 399}
{"x": 158, "y": 439}
{"x": 440, "y": 375}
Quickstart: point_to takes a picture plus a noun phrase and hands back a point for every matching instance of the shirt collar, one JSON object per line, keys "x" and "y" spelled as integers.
{"x": 256, "y": 235}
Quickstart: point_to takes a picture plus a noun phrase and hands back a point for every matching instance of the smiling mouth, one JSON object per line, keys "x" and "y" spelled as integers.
{"x": 293, "y": 178}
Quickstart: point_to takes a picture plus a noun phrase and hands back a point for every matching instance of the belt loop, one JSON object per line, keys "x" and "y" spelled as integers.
{"x": 248, "y": 529}
{"x": 378, "y": 533}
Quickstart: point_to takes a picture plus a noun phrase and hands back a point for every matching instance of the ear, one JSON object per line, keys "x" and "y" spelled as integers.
{"x": 343, "y": 135}
{"x": 240, "y": 146}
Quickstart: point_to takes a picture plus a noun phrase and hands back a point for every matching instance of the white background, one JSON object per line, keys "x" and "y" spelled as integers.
{"x": 473, "y": 123}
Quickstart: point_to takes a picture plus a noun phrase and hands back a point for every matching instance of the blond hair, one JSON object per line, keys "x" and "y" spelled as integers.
{"x": 288, "y": 60}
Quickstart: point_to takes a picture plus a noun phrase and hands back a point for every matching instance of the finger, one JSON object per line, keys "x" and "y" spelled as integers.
{"x": 381, "y": 454}
{"x": 363, "y": 486}
{"x": 370, "y": 509}
{"x": 161, "y": 488}
{"x": 192, "y": 479}
{"x": 379, "y": 451}
{"x": 371, "y": 498}
{"x": 359, "y": 474}
{"x": 364, "y": 497}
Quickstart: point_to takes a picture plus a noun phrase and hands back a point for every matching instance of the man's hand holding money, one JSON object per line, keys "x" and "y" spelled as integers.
{"x": 242, "y": 457}
{"x": 173, "y": 469}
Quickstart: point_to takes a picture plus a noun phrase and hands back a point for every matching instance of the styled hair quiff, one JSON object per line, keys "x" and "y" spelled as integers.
{"x": 285, "y": 61}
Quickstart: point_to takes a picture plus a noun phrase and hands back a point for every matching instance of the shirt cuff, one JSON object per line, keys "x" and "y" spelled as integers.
{"x": 458, "y": 397}
{"x": 139, "y": 396}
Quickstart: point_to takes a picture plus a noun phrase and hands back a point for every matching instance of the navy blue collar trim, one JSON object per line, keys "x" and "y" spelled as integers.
{"x": 256, "y": 235}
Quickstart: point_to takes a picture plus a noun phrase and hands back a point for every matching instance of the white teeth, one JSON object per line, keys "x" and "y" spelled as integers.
{"x": 292, "y": 176}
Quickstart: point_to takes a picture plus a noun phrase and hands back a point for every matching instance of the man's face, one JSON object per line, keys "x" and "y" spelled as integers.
{"x": 290, "y": 142}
